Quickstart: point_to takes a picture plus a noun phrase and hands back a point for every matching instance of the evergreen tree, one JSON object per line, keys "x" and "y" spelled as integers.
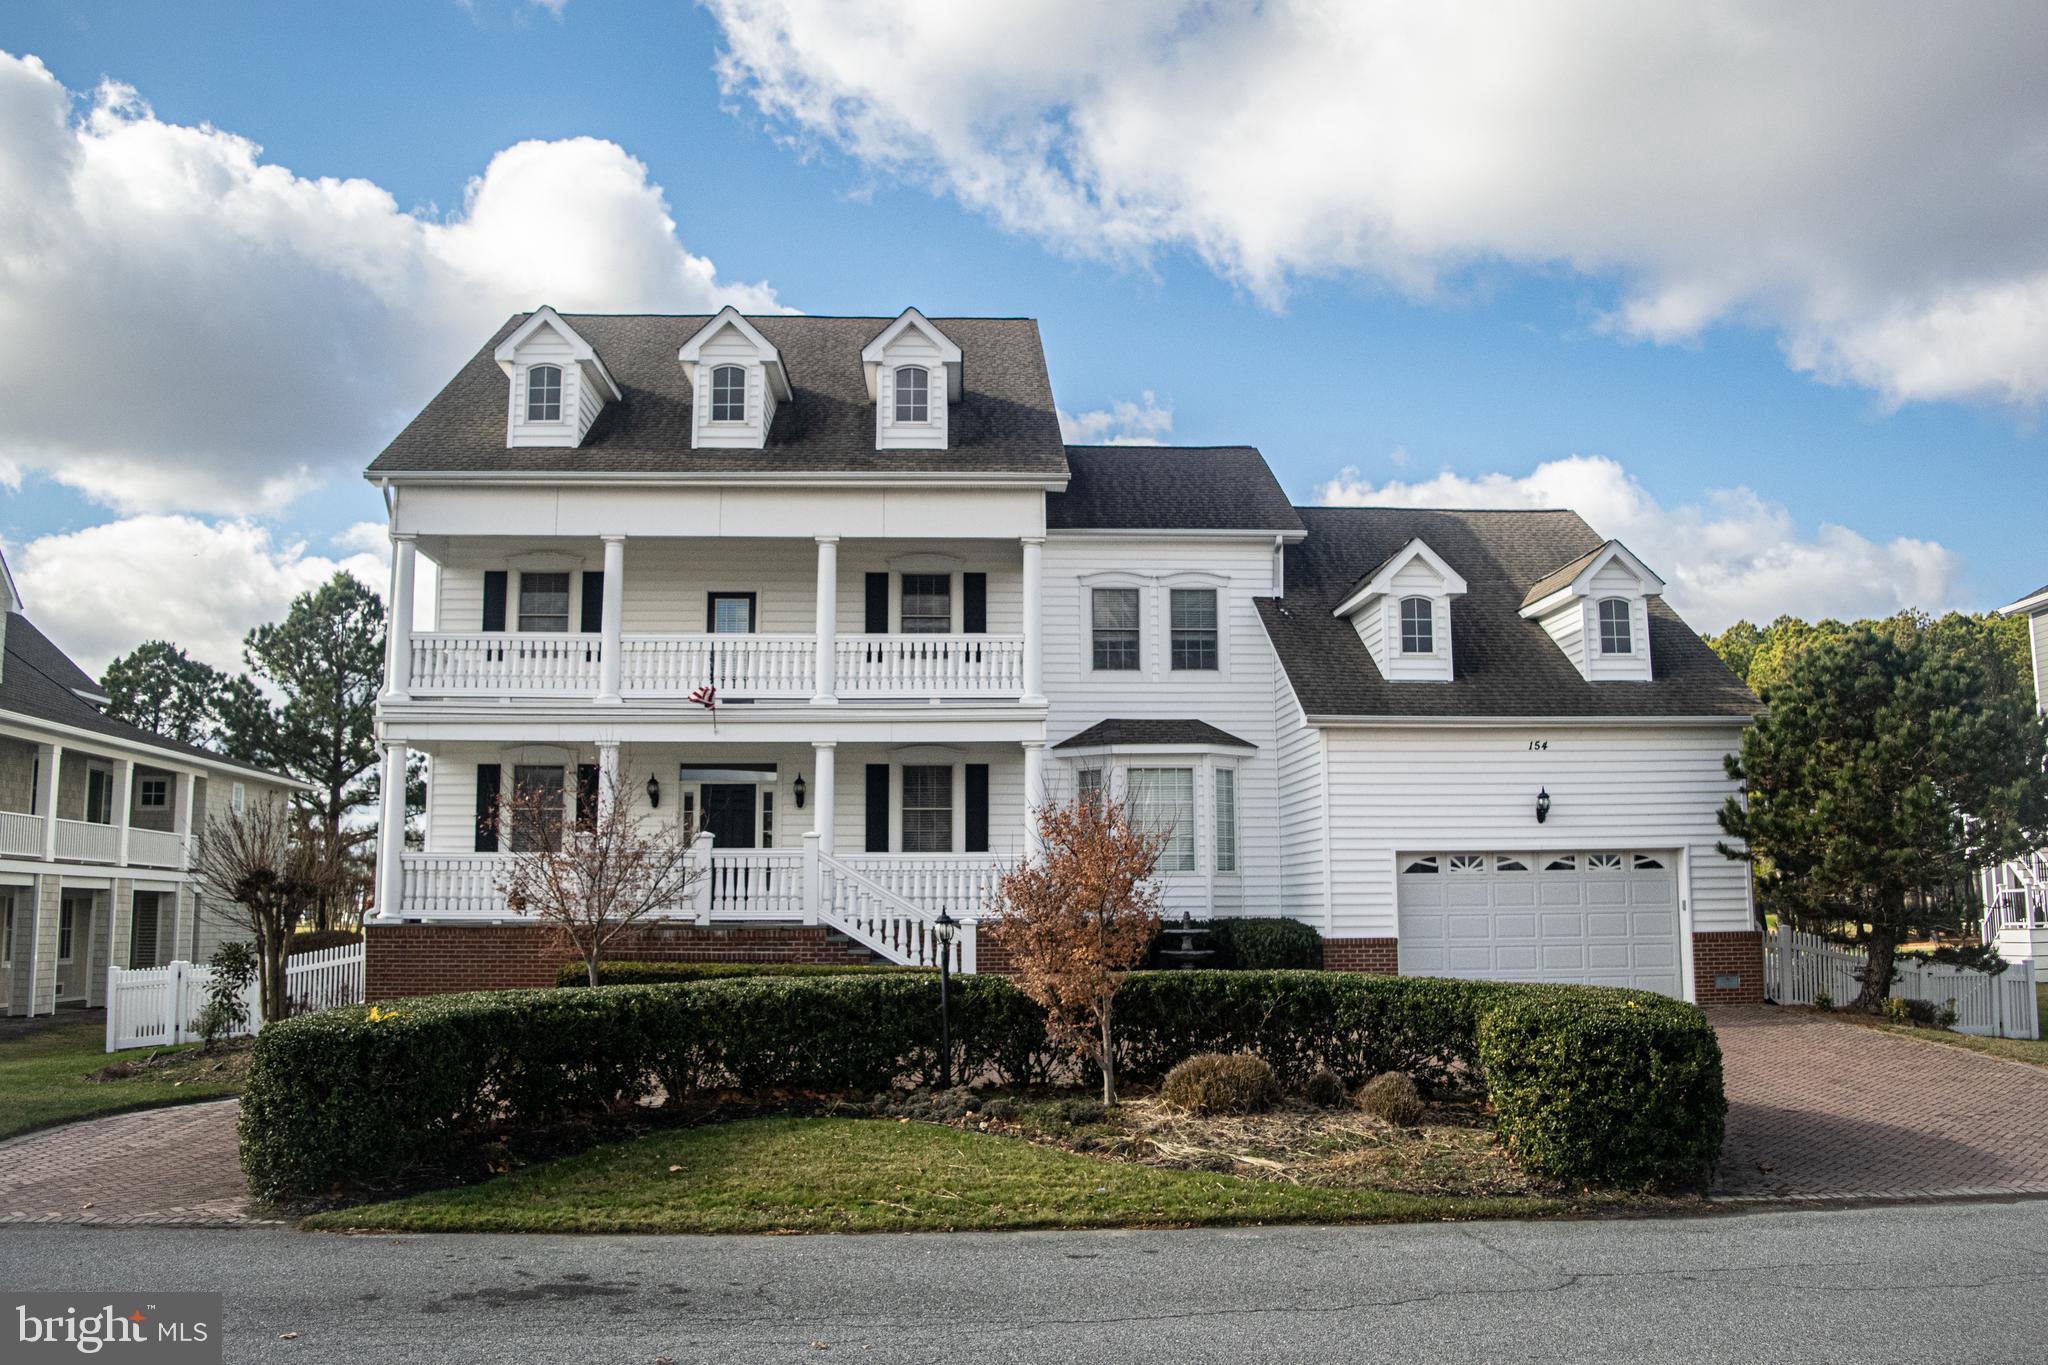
{"x": 163, "y": 690}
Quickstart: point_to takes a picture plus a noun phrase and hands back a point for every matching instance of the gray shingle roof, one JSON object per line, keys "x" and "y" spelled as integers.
{"x": 1503, "y": 665}
{"x": 1173, "y": 732}
{"x": 37, "y": 682}
{"x": 1551, "y": 582}
{"x": 1169, "y": 488}
{"x": 1004, "y": 423}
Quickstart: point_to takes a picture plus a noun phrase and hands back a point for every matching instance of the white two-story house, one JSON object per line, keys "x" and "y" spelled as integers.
{"x": 916, "y": 615}
{"x": 97, "y": 822}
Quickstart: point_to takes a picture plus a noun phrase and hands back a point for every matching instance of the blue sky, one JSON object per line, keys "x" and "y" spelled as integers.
{"x": 1506, "y": 359}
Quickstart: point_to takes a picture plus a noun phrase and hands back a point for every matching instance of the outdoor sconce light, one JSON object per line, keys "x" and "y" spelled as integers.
{"x": 1542, "y": 806}
{"x": 654, "y": 793}
{"x": 799, "y": 789}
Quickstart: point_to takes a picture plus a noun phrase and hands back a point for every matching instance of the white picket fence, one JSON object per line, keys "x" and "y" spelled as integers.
{"x": 2002, "y": 1006}
{"x": 157, "y": 1006}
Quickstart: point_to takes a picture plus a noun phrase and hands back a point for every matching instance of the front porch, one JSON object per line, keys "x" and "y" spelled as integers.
{"x": 2016, "y": 909}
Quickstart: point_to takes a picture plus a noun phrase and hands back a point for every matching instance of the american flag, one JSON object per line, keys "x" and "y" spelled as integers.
{"x": 706, "y": 697}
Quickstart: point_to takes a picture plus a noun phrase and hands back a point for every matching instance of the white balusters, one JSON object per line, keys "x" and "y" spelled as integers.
{"x": 930, "y": 665}
{"x": 533, "y": 663}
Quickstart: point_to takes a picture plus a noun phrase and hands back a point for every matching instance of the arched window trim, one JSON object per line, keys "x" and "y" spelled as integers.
{"x": 913, "y": 401}
{"x": 544, "y": 393}
{"x": 1617, "y": 629}
{"x": 1420, "y": 641}
{"x": 722, "y": 393}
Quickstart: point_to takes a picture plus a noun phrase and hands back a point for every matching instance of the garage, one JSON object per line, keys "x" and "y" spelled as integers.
{"x": 1596, "y": 918}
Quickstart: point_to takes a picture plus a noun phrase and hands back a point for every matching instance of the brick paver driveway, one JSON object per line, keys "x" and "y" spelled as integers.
{"x": 173, "y": 1165}
{"x": 1827, "y": 1109}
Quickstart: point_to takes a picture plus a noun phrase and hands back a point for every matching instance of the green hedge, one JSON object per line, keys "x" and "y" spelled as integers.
{"x": 1595, "y": 1085}
{"x": 1250, "y": 943}
{"x": 671, "y": 973}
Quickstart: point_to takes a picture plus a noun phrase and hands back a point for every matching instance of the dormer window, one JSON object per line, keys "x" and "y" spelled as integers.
{"x": 1616, "y": 636}
{"x": 729, "y": 394}
{"x": 1418, "y": 626}
{"x": 544, "y": 393}
{"x": 913, "y": 394}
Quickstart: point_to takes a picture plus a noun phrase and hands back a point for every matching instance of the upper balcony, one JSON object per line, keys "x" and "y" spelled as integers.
{"x": 92, "y": 808}
{"x": 655, "y": 619}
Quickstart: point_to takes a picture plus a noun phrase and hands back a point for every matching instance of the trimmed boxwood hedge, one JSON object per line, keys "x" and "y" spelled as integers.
{"x": 668, "y": 973}
{"x": 1592, "y": 1085}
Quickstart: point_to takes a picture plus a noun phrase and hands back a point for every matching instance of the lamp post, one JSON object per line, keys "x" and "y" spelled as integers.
{"x": 944, "y": 928}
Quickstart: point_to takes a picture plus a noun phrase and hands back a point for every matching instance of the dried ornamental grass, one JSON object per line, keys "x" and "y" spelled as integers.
{"x": 1221, "y": 1083}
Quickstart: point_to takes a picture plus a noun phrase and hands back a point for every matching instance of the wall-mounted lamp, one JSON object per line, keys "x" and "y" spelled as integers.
{"x": 654, "y": 793}
{"x": 798, "y": 788}
{"x": 1542, "y": 806}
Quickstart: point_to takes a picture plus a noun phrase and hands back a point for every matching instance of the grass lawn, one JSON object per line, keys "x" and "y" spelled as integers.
{"x": 46, "y": 1076}
{"x": 2031, "y": 1050}
{"x": 879, "y": 1175}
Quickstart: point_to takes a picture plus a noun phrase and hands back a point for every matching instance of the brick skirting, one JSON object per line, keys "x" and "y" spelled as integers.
{"x": 1381, "y": 955}
{"x": 1740, "y": 955}
{"x": 432, "y": 959}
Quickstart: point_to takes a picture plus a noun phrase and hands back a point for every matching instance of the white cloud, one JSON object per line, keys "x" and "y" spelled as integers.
{"x": 1732, "y": 556}
{"x": 184, "y": 326}
{"x": 1868, "y": 181}
{"x": 1122, "y": 423}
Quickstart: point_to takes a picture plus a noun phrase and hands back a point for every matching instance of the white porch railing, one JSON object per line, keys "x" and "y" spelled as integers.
{"x": 450, "y": 886}
{"x": 155, "y": 848}
{"x": 737, "y": 665}
{"x": 21, "y": 834}
{"x": 532, "y": 663}
{"x": 82, "y": 841}
{"x": 157, "y": 1006}
{"x": 2001, "y": 1006}
{"x": 961, "y": 884}
{"x": 2016, "y": 894}
{"x": 879, "y": 919}
{"x": 929, "y": 665}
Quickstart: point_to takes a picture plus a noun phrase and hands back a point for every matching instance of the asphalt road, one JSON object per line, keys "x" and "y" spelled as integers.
{"x": 1925, "y": 1282}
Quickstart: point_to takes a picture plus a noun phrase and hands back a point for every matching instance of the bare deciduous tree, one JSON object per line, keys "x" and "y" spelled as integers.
{"x": 593, "y": 878}
{"x": 264, "y": 869}
{"x": 1078, "y": 917}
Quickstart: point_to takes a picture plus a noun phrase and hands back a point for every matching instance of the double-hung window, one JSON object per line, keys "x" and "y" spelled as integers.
{"x": 927, "y": 603}
{"x": 1418, "y": 626}
{"x": 1162, "y": 802}
{"x": 1088, "y": 786}
{"x": 1226, "y": 819}
{"x": 544, "y": 601}
{"x": 729, "y": 394}
{"x": 927, "y": 808}
{"x": 544, "y": 393}
{"x": 913, "y": 394}
{"x": 536, "y": 808}
{"x": 1114, "y": 615}
{"x": 1616, "y": 635}
{"x": 1194, "y": 628}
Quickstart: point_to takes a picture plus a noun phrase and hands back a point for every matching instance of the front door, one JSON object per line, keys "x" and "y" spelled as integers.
{"x": 729, "y": 813}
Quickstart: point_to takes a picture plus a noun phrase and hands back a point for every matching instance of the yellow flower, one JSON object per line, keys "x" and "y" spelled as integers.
{"x": 378, "y": 1015}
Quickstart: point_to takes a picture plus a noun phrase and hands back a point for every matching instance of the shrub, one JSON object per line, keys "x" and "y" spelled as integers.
{"x": 315, "y": 940}
{"x": 670, "y": 973}
{"x": 1896, "y": 1010}
{"x": 1823, "y": 1000}
{"x": 1604, "y": 1086}
{"x": 1324, "y": 1087}
{"x": 1265, "y": 944}
{"x": 226, "y": 1011}
{"x": 1220, "y": 1083}
{"x": 1391, "y": 1097}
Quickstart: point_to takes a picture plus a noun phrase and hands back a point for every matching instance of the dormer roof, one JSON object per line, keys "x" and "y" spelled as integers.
{"x": 873, "y": 353}
{"x": 507, "y": 351}
{"x": 1379, "y": 581}
{"x": 729, "y": 316}
{"x": 1576, "y": 578}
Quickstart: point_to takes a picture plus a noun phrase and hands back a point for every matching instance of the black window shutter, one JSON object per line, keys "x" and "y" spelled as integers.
{"x": 974, "y": 603}
{"x": 487, "y": 807}
{"x": 977, "y": 808}
{"x": 494, "y": 599}
{"x": 878, "y": 605}
{"x": 593, "y": 601}
{"x": 586, "y": 795}
{"x": 878, "y": 808}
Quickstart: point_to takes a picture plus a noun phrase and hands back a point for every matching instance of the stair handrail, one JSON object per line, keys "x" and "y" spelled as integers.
{"x": 900, "y": 906}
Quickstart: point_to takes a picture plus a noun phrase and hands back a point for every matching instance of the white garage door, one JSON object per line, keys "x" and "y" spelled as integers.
{"x": 1597, "y": 919}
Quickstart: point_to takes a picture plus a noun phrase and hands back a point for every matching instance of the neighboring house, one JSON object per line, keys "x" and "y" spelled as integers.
{"x": 1463, "y": 743}
{"x": 96, "y": 826}
{"x": 2016, "y": 894}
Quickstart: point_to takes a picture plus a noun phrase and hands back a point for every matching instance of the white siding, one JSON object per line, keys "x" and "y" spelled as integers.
{"x": 729, "y": 347}
{"x": 580, "y": 399}
{"x": 1395, "y": 790}
{"x": 2037, "y": 641}
{"x": 912, "y": 347}
{"x": 1302, "y": 808}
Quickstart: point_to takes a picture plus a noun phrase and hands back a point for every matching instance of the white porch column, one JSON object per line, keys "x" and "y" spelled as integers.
{"x": 1034, "y": 792}
{"x": 124, "y": 807}
{"x": 612, "y": 659}
{"x": 391, "y": 832}
{"x": 186, "y": 788}
{"x": 50, "y": 767}
{"x": 825, "y": 691}
{"x": 607, "y": 771}
{"x": 824, "y": 786}
{"x": 398, "y": 639}
{"x": 1034, "y": 624}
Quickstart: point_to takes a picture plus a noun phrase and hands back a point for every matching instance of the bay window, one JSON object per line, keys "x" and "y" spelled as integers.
{"x": 1162, "y": 802}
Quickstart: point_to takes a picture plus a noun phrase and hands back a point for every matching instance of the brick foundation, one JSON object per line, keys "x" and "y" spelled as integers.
{"x": 1381, "y": 955}
{"x": 1739, "y": 954}
{"x": 433, "y": 959}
